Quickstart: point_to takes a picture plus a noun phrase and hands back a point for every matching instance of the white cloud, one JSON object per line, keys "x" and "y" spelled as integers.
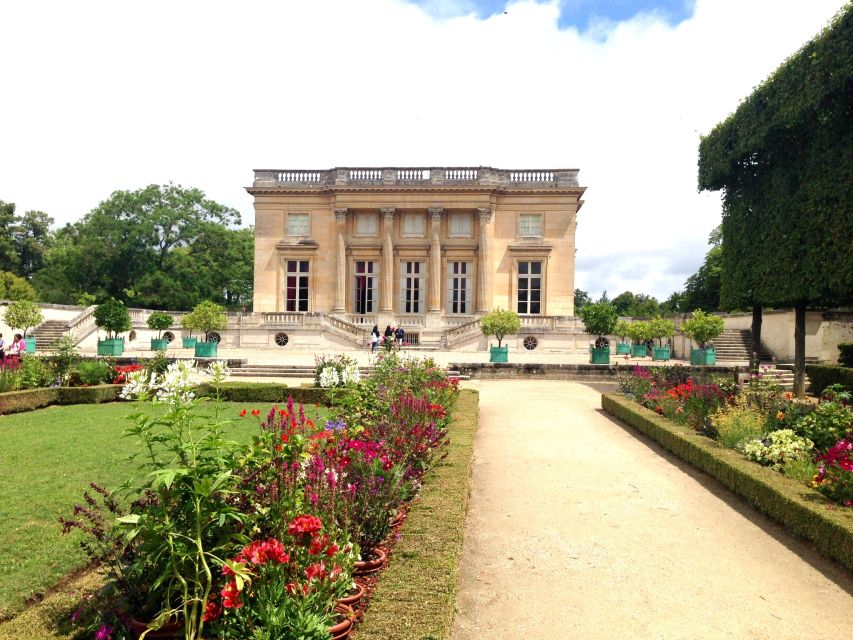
{"x": 101, "y": 96}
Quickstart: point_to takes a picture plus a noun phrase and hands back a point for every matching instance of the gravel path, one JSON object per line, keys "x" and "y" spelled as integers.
{"x": 578, "y": 528}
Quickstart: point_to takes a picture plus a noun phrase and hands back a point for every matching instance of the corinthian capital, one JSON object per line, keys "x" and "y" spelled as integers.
{"x": 341, "y": 214}
{"x": 388, "y": 214}
{"x": 435, "y": 213}
{"x": 485, "y": 215}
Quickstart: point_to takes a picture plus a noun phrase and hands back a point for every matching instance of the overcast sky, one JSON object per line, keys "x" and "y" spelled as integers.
{"x": 100, "y": 96}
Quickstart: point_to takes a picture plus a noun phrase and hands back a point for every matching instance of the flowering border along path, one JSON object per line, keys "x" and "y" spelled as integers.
{"x": 802, "y": 510}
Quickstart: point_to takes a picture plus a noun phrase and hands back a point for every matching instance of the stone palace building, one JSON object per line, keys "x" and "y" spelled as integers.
{"x": 430, "y": 249}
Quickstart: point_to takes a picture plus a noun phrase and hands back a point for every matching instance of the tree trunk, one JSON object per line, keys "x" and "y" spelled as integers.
{"x": 755, "y": 351}
{"x": 800, "y": 350}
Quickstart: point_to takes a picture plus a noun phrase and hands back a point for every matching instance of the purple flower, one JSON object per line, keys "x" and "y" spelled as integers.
{"x": 335, "y": 425}
{"x": 105, "y": 632}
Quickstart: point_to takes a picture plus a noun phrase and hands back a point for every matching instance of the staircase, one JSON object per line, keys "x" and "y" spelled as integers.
{"x": 734, "y": 344}
{"x": 48, "y": 332}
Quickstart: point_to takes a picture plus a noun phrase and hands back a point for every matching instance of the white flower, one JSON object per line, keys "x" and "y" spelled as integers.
{"x": 329, "y": 377}
{"x": 178, "y": 384}
{"x": 136, "y": 387}
{"x": 218, "y": 371}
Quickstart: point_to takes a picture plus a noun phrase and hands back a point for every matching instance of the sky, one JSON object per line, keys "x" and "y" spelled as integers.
{"x": 102, "y": 96}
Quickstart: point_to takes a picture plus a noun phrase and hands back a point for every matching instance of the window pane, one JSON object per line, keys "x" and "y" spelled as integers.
{"x": 536, "y": 267}
{"x": 303, "y": 266}
{"x": 535, "y": 283}
{"x": 522, "y": 306}
{"x": 534, "y": 307}
{"x": 522, "y": 267}
{"x": 297, "y": 224}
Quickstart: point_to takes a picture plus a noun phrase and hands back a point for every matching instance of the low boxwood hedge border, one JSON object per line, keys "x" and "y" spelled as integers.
{"x": 266, "y": 392}
{"x": 823, "y": 375}
{"x": 801, "y": 509}
{"x": 27, "y": 400}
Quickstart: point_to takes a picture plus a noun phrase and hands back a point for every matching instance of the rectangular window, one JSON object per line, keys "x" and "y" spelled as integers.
{"x": 296, "y": 286}
{"x": 461, "y": 225}
{"x": 367, "y": 224}
{"x": 411, "y": 287}
{"x": 298, "y": 225}
{"x": 529, "y": 288}
{"x": 459, "y": 287}
{"x": 414, "y": 224}
{"x": 530, "y": 225}
{"x": 366, "y": 286}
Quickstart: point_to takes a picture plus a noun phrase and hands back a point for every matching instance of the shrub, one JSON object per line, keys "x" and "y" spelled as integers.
{"x": 500, "y": 323}
{"x": 778, "y": 448}
{"x": 660, "y": 328}
{"x": 622, "y": 330}
{"x": 639, "y": 332}
{"x": 337, "y": 371}
{"x": 208, "y": 317}
{"x": 738, "y": 422}
{"x": 34, "y": 372}
{"x": 158, "y": 363}
{"x": 89, "y": 395}
{"x": 9, "y": 379}
{"x": 65, "y": 357}
{"x": 834, "y": 478}
{"x": 599, "y": 319}
{"x": 845, "y": 354}
{"x": 27, "y": 400}
{"x": 825, "y": 375}
{"x": 159, "y": 321}
{"x": 92, "y": 372}
{"x": 702, "y": 327}
{"x": 826, "y": 425}
{"x": 259, "y": 392}
{"x": 23, "y": 314}
{"x": 112, "y": 316}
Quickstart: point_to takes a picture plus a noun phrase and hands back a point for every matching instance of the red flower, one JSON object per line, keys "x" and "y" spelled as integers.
{"x": 243, "y": 413}
{"x": 316, "y": 571}
{"x": 318, "y": 544}
{"x": 305, "y": 524}
{"x": 231, "y": 596}
{"x": 256, "y": 412}
{"x": 331, "y": 550}
{"x": 212, "y": 610}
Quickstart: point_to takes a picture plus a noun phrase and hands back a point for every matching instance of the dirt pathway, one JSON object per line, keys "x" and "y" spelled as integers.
{"x": 579, "y": 529}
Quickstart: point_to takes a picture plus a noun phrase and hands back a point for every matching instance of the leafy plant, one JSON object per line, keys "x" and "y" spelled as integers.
{"x": 622, "y": 330}
{"x": 835, "y": 473}
{"x": 189, "y": 323}
{"x": 23, "y": 315}
{"x": 10, "y": 380}
{"x": 113, "y": 316}
{"x": 827, "y": 424}
{"x": 660, "y": 328}
{"x": 702, "y": 327}
{"x": 34, "y": 373}
{"x": 639, "y": 331}
{"x": 599, "y": 319}
{"x": 209, "y": 317}
{"x": 65, "y": 358}
{"x": 500, "y": 323}
{"x": 159, "y": 321}
{"x": 92, "y": 372}
{"x": 738, "y": 422}
{"x": 845, "y": 354}
{"x": 778, "y": 448}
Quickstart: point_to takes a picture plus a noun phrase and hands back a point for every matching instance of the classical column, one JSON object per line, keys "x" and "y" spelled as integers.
{"x": 341, "y": 275}
{"x": 484, "y": 265}
{"x": 387, "y": 260}
{"x": 435, "y": 260}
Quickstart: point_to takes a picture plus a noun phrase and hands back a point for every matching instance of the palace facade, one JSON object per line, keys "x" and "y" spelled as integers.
{"x": 430, "y": 249}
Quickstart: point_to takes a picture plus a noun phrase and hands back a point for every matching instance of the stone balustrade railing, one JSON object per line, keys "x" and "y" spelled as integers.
{"x": 358, "y": 333}
{"x": 462, "y": 332}
{"x": 422, "y": 176}
{"x": 82, "y": 325}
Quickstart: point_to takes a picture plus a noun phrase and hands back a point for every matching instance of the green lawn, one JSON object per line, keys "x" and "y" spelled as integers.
{"x": 47, "y": 458}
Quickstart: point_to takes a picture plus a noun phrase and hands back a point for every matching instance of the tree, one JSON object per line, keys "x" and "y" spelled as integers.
{"x": 8, "y": 257}
{"x": 159, "y": 321}
{"x": 23, "y": 314}
{"x": 500, "y": 323}
{"x": 113, "y": 316}
{"x": 702, "y": 289}
{"x": 622, "y": 330}
{"x": 783, "y": 162}
{"x": 660, "y": 328}
{"x": 14, "y": 287}
{"x": 209, "y": 317}
{"x": 32, "y": 238}
{"x": 581, "y": 299}
{"x": 599, "y": 319}
{"x": 702, "y": 327}
{"x": 673, "y": 304}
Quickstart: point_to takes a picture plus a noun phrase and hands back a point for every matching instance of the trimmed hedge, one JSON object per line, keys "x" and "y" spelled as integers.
{"x": 845, "y": 354}
{"x": 27, "y": 400}
{"x": 266, "y": 392}
{"x": 89, "y": 395}
{"x": 801, "y": 509}
{"x": 823, "y": 375}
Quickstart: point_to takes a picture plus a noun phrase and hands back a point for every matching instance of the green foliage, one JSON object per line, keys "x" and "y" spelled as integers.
{"x": 777, "y": 449}
{"x": 738, "y": 422}
{"x": 92, "y": 372}
{"x": 208, "y": 317}
{"x": 783, "y": 163}
{"x": 702, "y": 327}
{"x": 639, "y": 331}
{"x": 34, "y": 373}
{"x": 158, "y": 321}
{"x": 23, "y": 241}
{"x": 845, "y": 354}
{"x": 622, "y": 329}
{"x": 65, "y": 357}
{"x": 826, "y": 425}
{"x": 660, "y": 328}
{"x": 266, "y": 392}
{"x": 581, "y": 299}
{"x": 599, "y": 318}
{"x": 702, "y": 289}
{"x": 113, "y": 316}
{"x": 771, "y": 493}
{"x": 14, "y": 287}
{"x": 637, "y": 306}
{"x": 825, "y": 375}
{"x": 9, "y": 379}
{"x": 89, "y": 395}
{"x": 23, "y": 314}
{"x": 27, "y": 400}
{"x": 500, "y": 323}
{"x": 86, "y": 299}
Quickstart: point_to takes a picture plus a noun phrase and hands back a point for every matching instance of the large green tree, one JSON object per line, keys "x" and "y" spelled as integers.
{"x": 784, "y": 163}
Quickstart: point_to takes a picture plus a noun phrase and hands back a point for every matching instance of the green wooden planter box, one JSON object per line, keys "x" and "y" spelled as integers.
{"x": 498, "y": 354}
{"x": 703, "y": 356}
{"x": 111, "y": 347}
{"x": 660, "y": 353}
{"x": 206, "y": 349}
{"x": 189, "y": 343}
{"x": 599, "y": 355}
{"x": 159, "y": 344}
{"x": 638, "y": 350}
{"x": 31, "y": 345}
{"x": 623, "y": 348}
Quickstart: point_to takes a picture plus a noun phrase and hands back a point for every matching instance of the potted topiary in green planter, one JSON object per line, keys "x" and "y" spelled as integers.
{"x": 23, "y": 315}
{"x": 622, "y": 331}
{"x": 660, "y": 328}
{"x": 500, "y": 323}
{"x": 113, "y": 316}
{"x": 639, "y": 332}
{"x": 207, "y": 318}
{"x": 599, "y": 319}
{"x": 188, "y": 323}
{"x": 703, "y": 327}
{"x": 158, "y": 321}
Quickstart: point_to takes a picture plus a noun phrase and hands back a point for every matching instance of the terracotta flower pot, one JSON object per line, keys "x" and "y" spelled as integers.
{"x": 366, "y": 567}
{"x": 341, "y": 630}
{"x": 352, "y": 600}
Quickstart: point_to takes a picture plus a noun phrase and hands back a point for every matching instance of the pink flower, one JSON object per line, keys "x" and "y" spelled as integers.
{"x": 105, "y": 632}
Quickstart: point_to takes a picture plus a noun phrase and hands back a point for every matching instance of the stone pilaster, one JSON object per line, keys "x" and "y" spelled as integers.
{"x": 387, "y": 260}
{"x": 341, "y": 262}
{"x": 484, "y": 265}
{"x": 434, "y": 302}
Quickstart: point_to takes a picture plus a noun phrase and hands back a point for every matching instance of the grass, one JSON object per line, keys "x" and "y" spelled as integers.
{"x": 415, "y": 597}
{"x": 48, "y": 458}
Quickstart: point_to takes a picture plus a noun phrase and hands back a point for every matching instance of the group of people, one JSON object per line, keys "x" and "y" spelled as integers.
{"x": 17, "y": 347}
{"x": 393, "y": 335}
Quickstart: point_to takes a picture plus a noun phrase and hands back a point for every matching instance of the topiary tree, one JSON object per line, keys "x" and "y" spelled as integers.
{"x": 188, "y": 322}
{"x": 622, "y": 330}
{"x": 500, "y": 323}
{"x": 660, "y": 328}
{"x": 23, "y": 314}
{"x": 639, "y": 331}
{"x": 113, "y": 316}
{"x": 599, "y": 319}
{"x": 209, "y": 317}
{"x": 159, "y": 321}
{"x": 702, "y": 327}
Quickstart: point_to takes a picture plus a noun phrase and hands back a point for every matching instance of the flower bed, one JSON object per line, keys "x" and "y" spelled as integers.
{"x": 217, "y": 531}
